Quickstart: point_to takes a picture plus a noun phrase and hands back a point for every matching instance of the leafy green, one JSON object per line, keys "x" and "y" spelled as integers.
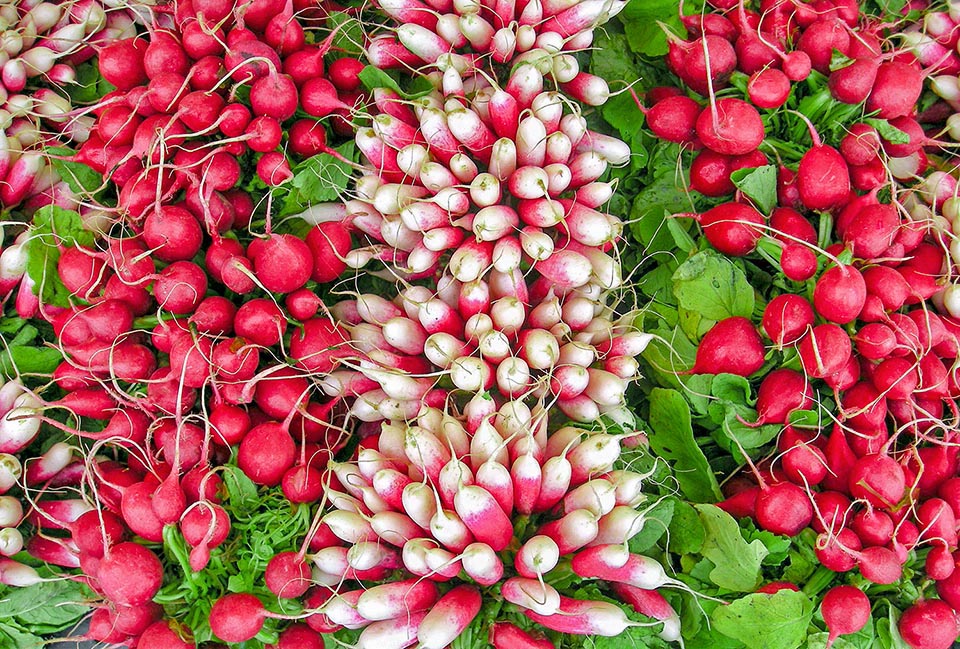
{"x": 46, "y": 607}
{"x": 81, "y": 178}
{"x": 672, "y": 439}
{"x": 759, "y": 184}
{"x": 373, "y": 77}
{"x": 736, "y": 562}
{"x": 687, "y": 532}
{"x": 762, "y": 621}
{"x": 713, "y": 286}
{"x": 53, "y": 227}
{"x": 319, "y": 179}
{"x": 656, "y": 522}
{"x": 349, "y": 39}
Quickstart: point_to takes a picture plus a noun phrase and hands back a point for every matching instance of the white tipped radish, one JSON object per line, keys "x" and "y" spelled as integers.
{"x": 529, "y": 182}
{"x": 504, "y": 114}
{"x": 503, "y": 45}
{"x": 423, "y": 42}
{"x": 450, "y": 530}
{"x": 18, "y": 428}
{"x": 496, "y": 479}
{"x": 618, "y": 526}
{"x": 526, "y": 476}
{"x": 395, "y": 528}
{"x": 537, "y": 556}
{"x": 14, "y": 573}
{"x": 513, "y": 376}
{"x": 531, "y": 143}
{"x": 531, "y": 594}
{"x": 525, "y": 83}
{"x": 607, "y": 562}
{"x": 419, "y": 503}
{"x": 367, "y": 555}
{"x": 566, "y": 269}
{"x": 485, "y": 190}
{"x": 454, "y": 475}
{"x": 554, "y": 483}
{"x": 482, "y": 564}
{"x": 598, "y": 496}
{"x": 411, "y": 158}
{"x": 442, "y": 349}
{"x": 584, "y": 618}
{"x": 10, "y": 471}
{"x": 572, "y": 532}
{"x": 11, "y": 511}
{"x": 537, "y": 244}
{"x": 471, "y": 374}
{"x": 605, "y": 388}
{"x": 495, "y": 222}
{"x": 396, "y": 599}
{"x": 503, "y": 159}
{"x": 11, "y": 541}
{"x": 483, "y": 516}
{"x": 487, "y": 444}
{"x": 449, "y": 617}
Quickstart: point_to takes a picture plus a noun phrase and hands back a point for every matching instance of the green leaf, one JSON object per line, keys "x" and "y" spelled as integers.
{"x": 372, "y": 77}
{"x": 89, "y": 85}
{"x": 761, "y": 621}
{"x": 640, "y": 23}
{"x": 713, "y": 286}
{"x": 736, "y": 562}
{"x": 888, "y": 131}
{"x": 671, "y": 437}
{"x": 349, "y": 40}
{"x": 759, "y": 184}
{"x": 52, "y": 227}
{"x": 29, "y": 360}
{"x": 241, "y": 491}
{"x": 657, "y": 521}
{"x": 687, "y": 533}
{"x": 46, "y": 607}
{"x": 81, "y": 178}
{"x": 319, "y": 179}
{"x": 15, "y": 638}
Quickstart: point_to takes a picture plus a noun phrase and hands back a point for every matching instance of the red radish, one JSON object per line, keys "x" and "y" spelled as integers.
{"x": 805, "y": 464}
{"x": 130, "y": 574}
{"x": 769, "y": 88}
{"x": 852, "y": 84}
{"x": 160, "y": 635}
{"x": 782, "y": 391}
{"x": 274, "y": 96}
{"x": 786, "y": 318}
{"x": 861, "y": 145}
{"x": 837, "y": 551}
{"x": 265, "y": 453}
{"x": 504, "y": 635}
{"x": 710, "y": 174}
{"x": 733, "y": 127}
{"x": 783, "y": 508}
{"x": 173, "y": 233}
{"x": 397, "y": 598}
{"x": 840, "y": 294}
{"x": 273, "y": 169}
{"x": 584, "y": 618}
{"x": 732, "y": 228}
{"x": 237, "y": 617}
{"x": 449, "y": 617}
{"x": 879, "y": 565}
{"x": 732, "y": 346}
{"x": 329, "y": 244}
{"x": 878, "y": 479}
{"x": 318, "y": 345}
{"x": 674, "y": 119}
{"x": 121, "y": 63}
{"x": 798, "y": 262}
{"x": 260, "y": 321}
{"x": 319, "y": 98}
{"x": 704, "y": 62}
{"x": 283, "y": 263}
{"x": 825, "y": 350}
{"x": 95, "y": 531}
{"x": 287, "y": 575}
{"x": 845, "y": 609}
{"x": 820, "y": 39}
{"x": 896, "y": 89}
{"x": 929, "y": 624}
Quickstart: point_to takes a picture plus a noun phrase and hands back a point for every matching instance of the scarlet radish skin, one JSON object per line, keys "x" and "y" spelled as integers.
{"x": 929, "y": 624}
{"x": 732, "y": 346}
{"x": 732, "y": 228}
{"x": 736, "y": 129}
{"x": 130, "y": 574}
{"x": 845, "y": 609}
{"x": 237, "y": 617}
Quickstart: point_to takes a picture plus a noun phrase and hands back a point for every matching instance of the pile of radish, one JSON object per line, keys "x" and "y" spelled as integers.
{"x": 428, "y": 413}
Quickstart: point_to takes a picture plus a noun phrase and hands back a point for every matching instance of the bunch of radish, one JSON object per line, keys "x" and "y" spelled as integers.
{"x": 42, "y": 45}
{"x": 465, "y": 509}
{"x": 511, "y": 33}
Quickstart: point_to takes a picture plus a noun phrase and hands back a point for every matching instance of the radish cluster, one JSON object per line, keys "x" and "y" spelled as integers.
{"x": 43, "y": 43}
{"x": 478, "y": 506}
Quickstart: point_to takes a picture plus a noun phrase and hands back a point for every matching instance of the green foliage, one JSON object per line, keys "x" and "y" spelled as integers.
{"x": 53, "y": 227}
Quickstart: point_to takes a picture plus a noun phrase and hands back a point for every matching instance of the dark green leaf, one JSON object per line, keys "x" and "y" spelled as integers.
{"x": 51, "y": 605}
{"x": 319, "y": 179}
{"x": 713, "y": 286}
{"x": 241, "y": 490}
{"x": 736, "y": 562}
{"x": 888, "y": 131}
{"x": 349, "y": 39}
{"x": 373, "y": 77}
{"x": 687, "y": 533}
{"x": 761, "y": 621}
{"x": 759, "y": 184}
{"x": 29, "y": 360}
{"x": 657, "y": 521}
{"x": 16, "y": 638}
{"x": 52, "y": 227}
{"x": 671, "y": 437}
{"x": 81, "y": 178}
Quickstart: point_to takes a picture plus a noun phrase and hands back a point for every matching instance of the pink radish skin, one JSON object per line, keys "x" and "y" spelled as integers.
{"x": 584, "y": 618}
{"x": 786, "y": 317}
{"x": 732, "y": 228}
{"x": 130, "y": 574}
{"x": 929, "y": 624}
{"x": 449, "y": 617}
{"x": 504, "y": 635}
{"x": 840, "y": 294}
{"x": 613, "y": 563}
{"x": 769, "y": 88}
{"x": 735, "y": 130}
{"x": 731, "y": 346}
{"x": 287, "y": 575}
{"x": 397, "y": 599}
{"x": 824, "y": 350}
{"x": 845, "y": 609}
{"x": 896, "y": 89}
{"x": 783, "y": 508}
{"x": 237, "y": 617}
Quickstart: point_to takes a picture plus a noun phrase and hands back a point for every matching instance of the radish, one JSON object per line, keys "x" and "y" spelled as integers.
{"x": 504, "y": 635}
{"x": 674, "y": 119}
{"x": 265, "y": 453}
{"x": 786, "y": 318}
{"x": 287, "y": 575}
{"x": 731, "y": 346}
{"x": 929, "y": 624}
{"x": 783, "y": 508}
{"x": 704, "y": 62}
{"x": 845, "y": 609}
{"x": 449, "y": 617}
{"x": 878, "y": 479}
{"x": 730, "y": 127}
{"x": 896, "y": 89}
{"x": 130, "y": 574}
{"x": 237, "y": 617}
{"x": 732, "y": 228}
{"x": 584, "y": 618}
{"x": 769, "y": 88}
{"x": 824, "y": 350}
{"x": 840, "y": 294}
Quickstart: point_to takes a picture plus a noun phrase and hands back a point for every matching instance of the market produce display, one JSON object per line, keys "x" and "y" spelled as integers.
{"x": 480, "y": 323}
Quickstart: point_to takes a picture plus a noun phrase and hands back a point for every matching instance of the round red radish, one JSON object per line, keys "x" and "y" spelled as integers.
{"x": 824, "y": 350}
{"x": 287, "y": 575}
{"x": 784, "y": 508}
{"x": 896, "y": 89}
{"x": 732, "y": 346}
{"x": 929, "y": 624}
{"x": 121, "y": 63}
{"x": 877, "y": 479}
{"x": 732, "y": 228}
{"x": 734, "y": 128}
{"x": 840, "y": 294}
{"x": 317, "y": 345}
{"x": 798, "y": 262}
{"x": 845, "y": 609}
{"x": 260, "y": 321}
{"x": 710, "y": 174}
{"x": 283, "y": 263}
{"x": 274, "y": 96}
{"x": 786, "y": 318}
{"x": 805, "y": 464}
{"x": 852, "y": 84}
{"x": 237, "y": 617}
{"x": 130, "y": 574}
{"x": 265, "y": 453}
{"x": 836, "y": 551}
{"x": 173, "y": 233}
{"x": 769, "y": 88}
{"x": 674, "y": 119}
{"x": 861, "y": 145}
{"x": 880, "y": 565}
{"x": 823, "y": 178}
{"x": 873, "y": 526}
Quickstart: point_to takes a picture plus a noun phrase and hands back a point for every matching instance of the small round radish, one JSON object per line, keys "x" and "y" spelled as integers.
{"x": 825, "y": 350}
{"x": 734, "y": 128}
{"x": 845, "y": 609}
{"x": 237, "y": 617}
{"x": 732, "y": 346}
{"x": 130, "y": 574}
{"x": 783, "y": 508}
{"x": 840, "y": 294}
{"x": 929, "y": 624}
{"x": 769, "y": 88}
{"x": 786, "y": 318}
{"x": 732, "y": 228}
